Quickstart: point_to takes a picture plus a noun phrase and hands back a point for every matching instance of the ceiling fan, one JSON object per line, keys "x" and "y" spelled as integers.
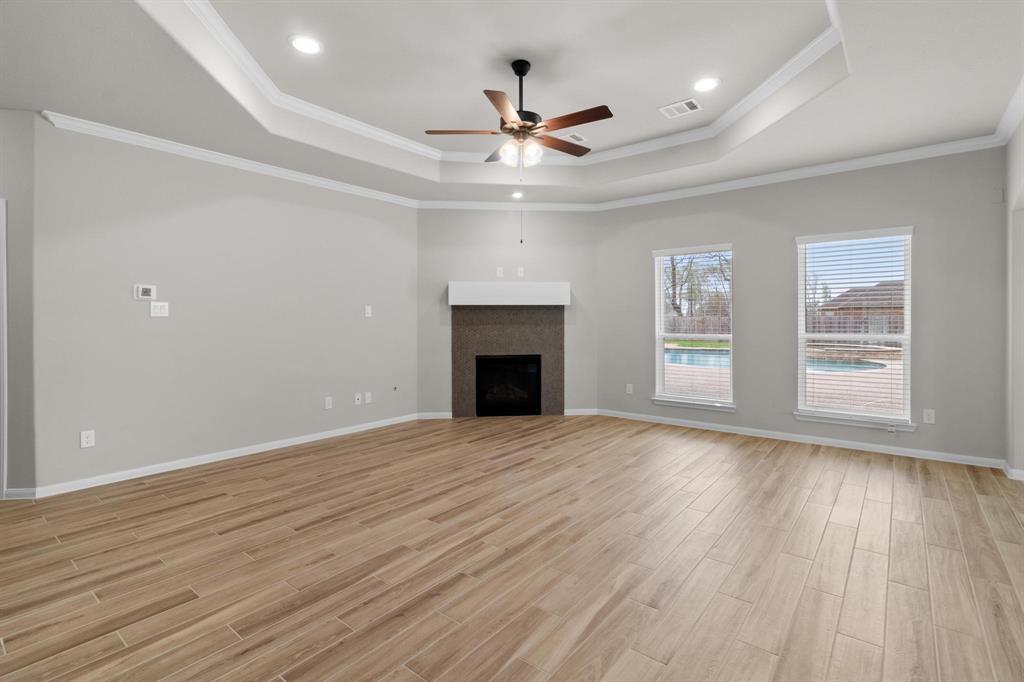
{"x": 527, "y": 129}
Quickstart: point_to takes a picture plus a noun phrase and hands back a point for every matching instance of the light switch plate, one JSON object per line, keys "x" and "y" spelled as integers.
{"x": 159, "y": 309}
{"x": 368, "y": 310}
{"x": 520, "y": 271}
{"x": 328, "y": 403}
{"x": 144, "y": 292}
{"x": 629, "y": 389}
{"x": 368, "y": 397}
{"x": 87, "y": 439}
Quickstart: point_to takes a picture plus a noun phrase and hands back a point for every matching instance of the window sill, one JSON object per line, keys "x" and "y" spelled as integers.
{"x": 683, "y": 402}
{"x": 852, "y": 420}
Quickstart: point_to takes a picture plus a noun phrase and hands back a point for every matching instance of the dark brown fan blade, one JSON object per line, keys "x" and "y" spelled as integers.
{"x": 495, "y": 155}
{"x": 562, "y": 145}
{"x": 462, "y": 132}
{"x": 504, "y": 106}
{"x": 580, "y": 117}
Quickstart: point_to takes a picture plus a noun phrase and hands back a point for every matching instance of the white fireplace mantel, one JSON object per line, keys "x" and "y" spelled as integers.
{"x": 508, "y": 293}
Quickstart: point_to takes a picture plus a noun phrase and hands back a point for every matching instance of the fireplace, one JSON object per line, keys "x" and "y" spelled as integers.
{"x": 507, "y": 385}
{"x": 483, "y": 336}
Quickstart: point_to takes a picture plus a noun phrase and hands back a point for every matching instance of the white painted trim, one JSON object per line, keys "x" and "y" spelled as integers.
{"x": 20, "y": 494}
{"x": 689, "y": 250}
{"x": 226, "y": 38}
{"x": 692, "y": 403}
{"x": 889, "y": 158}
{"x": 816, "y": 440}
{"x": 174, "y": 465}
{"x": 973, "y": 460}
{"x": 849, "y": 420}
{"x": 115, "y": 477}
{"x": 1014, "y": 114}
{"x": 509, "y": 293}
{"x": 434, "y": 415}
{"x": 4, "y": 439}
{"x": 216, "y": 27}
{"x": 832, "y": 6}
{"x": 79, "y": 125}
{"x": 870, "y": 233}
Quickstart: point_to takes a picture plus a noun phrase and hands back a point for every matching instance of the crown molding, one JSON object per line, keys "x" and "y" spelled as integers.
{"x": 83, "y": 126}
{"x": 887, "y": 159}
{"x": 215, "y": 25}
{"x": 1014, "y": 114}
{"x": 222, "y": 33}
{"x": 79, "y": 125}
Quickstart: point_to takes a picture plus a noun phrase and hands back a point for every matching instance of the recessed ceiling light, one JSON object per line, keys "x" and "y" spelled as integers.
{"x": 305, "y": 44}
{"x": 705, "y": 84}
{"x": 517, "y": 195}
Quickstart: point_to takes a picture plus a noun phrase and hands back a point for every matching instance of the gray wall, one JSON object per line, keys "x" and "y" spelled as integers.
{"x": 959, "y": 294}
{"x": 266, "y": 278}
{"x": 17, "y": 161}
{"x": 470, "y": 245}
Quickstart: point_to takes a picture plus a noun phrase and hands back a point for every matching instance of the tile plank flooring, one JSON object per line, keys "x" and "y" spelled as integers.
{"x": 537, "y": 548}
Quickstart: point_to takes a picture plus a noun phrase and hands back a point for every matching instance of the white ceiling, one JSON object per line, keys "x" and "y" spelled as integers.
{"x": 919, "y": 74}
{"x": 408, "y": 66}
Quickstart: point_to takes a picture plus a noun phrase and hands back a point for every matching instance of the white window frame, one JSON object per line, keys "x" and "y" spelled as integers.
{"x": 660, "y": 397}
{"x": 804, "y": 413}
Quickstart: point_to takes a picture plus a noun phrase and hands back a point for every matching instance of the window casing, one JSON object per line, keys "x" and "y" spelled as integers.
{"x": 693, "y": 326}
{"x": 853, "y": 333}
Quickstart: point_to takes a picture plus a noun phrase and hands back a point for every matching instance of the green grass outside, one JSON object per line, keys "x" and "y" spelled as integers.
{"x": 688, "y": 343}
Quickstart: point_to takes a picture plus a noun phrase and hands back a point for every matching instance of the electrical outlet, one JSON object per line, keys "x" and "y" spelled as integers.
{"x": 159, "y": 309}
{"x": 87, "y": 439}
{"x": 929, "y": 416}
{"x": 368, "y": 311}
{"x": 629, "y": 389}
{"x": 368, "y": 397}
{"x": 359, "y": 398}
{"x": 501, "y": 271}
{"x": 520, "y": 271}
{"x": 329, "y": 403}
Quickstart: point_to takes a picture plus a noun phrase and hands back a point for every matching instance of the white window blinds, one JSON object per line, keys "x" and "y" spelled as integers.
{"x": 693, "y": 324}
{"x": 854, "y": 325}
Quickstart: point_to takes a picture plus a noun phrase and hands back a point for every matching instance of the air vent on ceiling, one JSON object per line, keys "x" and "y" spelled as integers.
{"x": 574, "y": 137}
{"x": 677, "y": 109}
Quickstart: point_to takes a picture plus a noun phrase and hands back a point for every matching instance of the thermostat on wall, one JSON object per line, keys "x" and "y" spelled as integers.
{"x": 145, "y": 292}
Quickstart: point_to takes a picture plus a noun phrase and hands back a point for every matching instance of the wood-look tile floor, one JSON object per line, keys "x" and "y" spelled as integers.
{"x": 524, "y": 549}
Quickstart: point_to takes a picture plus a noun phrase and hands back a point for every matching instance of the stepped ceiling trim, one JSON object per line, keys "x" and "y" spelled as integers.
{"x": 262, "y": 98}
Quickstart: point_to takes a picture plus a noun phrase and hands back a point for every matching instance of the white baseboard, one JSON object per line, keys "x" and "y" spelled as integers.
{"x": 819, "y": 440}
{"x": 173, "y": 465}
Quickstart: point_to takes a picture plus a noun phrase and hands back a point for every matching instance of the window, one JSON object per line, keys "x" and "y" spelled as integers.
{"x": 693, "y": 334}
{"x": 854, "y": 327}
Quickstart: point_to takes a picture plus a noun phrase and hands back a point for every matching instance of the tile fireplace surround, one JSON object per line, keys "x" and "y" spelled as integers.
{"x": 508, "y": 330}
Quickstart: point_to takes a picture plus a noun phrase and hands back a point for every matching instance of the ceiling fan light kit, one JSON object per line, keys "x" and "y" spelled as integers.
{"x": 527, "y": 128}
